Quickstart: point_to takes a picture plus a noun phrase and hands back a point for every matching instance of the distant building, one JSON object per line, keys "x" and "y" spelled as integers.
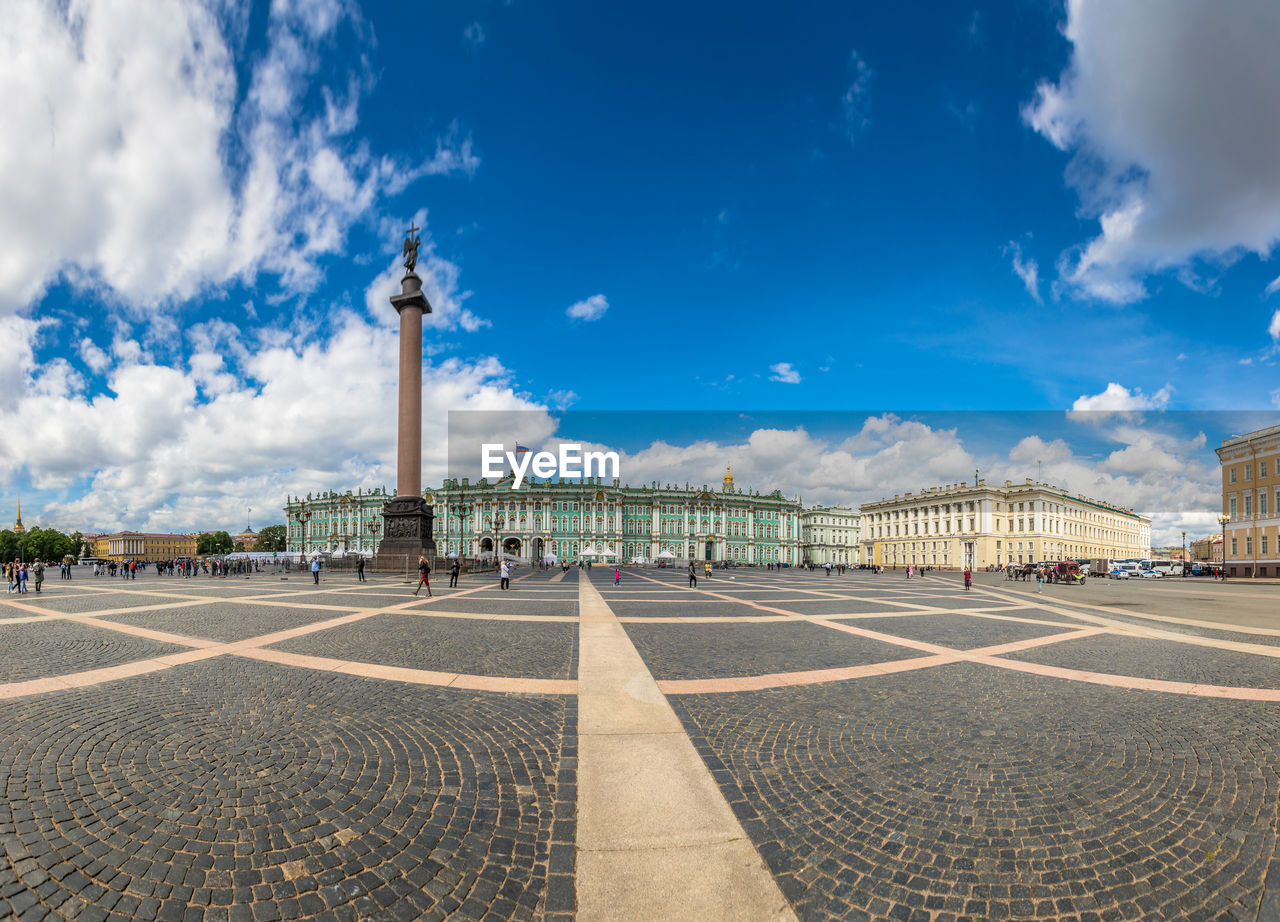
{"x": 831, "y": 534}
{"x": 335, "y": 523}
{"x": 961, "y": 525}
{"x": 246, "y": 537}
{"x": 610, "y": 521}
{"x": 1251, "y": 498}
{"x": 1207, "y": 550}
{"x": 136, "y": 545}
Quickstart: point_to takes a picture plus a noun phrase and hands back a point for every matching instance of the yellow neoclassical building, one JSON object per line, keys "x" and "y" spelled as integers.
{"x": 1251, "y": 500}
{"x": 136, "y": 545}
{"x": 980, "y": 525}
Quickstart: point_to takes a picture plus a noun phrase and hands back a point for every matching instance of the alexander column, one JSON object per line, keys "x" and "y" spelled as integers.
{"x": 407, "y": 520}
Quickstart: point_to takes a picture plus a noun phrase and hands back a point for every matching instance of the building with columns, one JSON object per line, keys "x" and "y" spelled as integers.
{"x": 137, "y": 545}
{"x": 335, "y": 523}
{"x": 831, "y": 534}
{"x": 611, "y": 521}
{"x": 1251, "y": 499}
{"x": 980, "y": 525}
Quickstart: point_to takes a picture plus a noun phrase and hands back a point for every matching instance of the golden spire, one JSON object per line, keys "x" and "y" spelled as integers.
{"x": 18, "y": 527}
{"x": 728, "y": 478}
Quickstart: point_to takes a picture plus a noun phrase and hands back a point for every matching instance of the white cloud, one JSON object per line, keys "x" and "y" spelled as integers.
{"x": 1273, "y": 287}
{"x": 855, "y": 102}
{"x": 188, "y": 446}
{"x": 146, "y": 169}
{"x": 1273, "y": 329}
{"x": 1117, "y": 398}
{"x": 1027, "y": 270}
{"x": 591, "y": 309}
{"x": 783, "y": 372}
{"x": 1172, "y": 117}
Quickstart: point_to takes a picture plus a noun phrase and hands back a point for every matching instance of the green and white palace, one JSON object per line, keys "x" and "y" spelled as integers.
{"x": 606, "y": 521}
{"x": 572, "y": 520}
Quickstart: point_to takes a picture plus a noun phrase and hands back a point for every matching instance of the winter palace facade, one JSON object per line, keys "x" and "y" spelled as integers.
{"x": 570, "y": 519}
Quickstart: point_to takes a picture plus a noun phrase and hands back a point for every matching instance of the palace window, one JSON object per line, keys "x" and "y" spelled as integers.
{"x": 1232, "y": 475}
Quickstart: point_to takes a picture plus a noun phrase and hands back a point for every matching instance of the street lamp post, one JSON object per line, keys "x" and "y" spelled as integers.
{"x": 1184, "y": 554}
{"x": 1223, "y": 520}
{"x": 498, "y": 522}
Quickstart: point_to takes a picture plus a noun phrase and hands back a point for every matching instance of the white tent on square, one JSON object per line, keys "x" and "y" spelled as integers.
{"x": 589, "y": 551}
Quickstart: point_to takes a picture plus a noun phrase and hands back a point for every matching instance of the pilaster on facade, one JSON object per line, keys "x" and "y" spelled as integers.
{"x": 1250, "y": 469}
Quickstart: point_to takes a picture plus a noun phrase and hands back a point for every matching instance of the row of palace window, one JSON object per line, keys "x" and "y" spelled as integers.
{"x": 1248, "y": 470}
{"x": 1248, "y": 546}
{"x": 1233, "y": 506}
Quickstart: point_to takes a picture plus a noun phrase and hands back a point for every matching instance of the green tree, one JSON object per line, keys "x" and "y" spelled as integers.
{"x": 271, "y": 538}
{"x": 217, "y": 542}
{"x": 8, "y": 545}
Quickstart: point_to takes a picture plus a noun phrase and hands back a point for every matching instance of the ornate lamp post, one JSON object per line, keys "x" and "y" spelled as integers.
{"x": 498, "y": 521}
{"x": 1223, "y": 520}
{"x": 304, "y": 516}
{"x": 1184, "y": 553}
{"x": 460, "y": 509}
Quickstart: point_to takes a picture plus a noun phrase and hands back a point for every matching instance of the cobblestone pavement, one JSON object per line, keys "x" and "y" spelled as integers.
{"x": 267, "y": 749}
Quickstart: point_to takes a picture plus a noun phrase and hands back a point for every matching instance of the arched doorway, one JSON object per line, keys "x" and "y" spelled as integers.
{"x": 711, "y": 547}
{"x": 538, "y": 552}
{"x": 486, "y": 545}
{"x": 511, "y": 546}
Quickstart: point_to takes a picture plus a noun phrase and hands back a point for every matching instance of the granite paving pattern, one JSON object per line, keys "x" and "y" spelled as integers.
{"x": 1159, "y": 659}
{"x": 54, "y": 648}
{"x": 234, "y": 790}
{"x": 505, "y": 648}
{"x": 682, "y": 651}
{"x": 225, "y": 621}
{"x": 961, "y": 632}
{"x": 967, "y": 792}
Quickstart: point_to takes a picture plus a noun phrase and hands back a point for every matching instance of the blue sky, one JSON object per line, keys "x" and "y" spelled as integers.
{"x": 780, "y": 207}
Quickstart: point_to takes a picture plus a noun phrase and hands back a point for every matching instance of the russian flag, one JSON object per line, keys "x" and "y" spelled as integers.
{"x": 521, "y": 448}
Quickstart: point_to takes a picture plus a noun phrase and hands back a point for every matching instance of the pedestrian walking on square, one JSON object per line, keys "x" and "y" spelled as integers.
{"x": 693, "y": 576}
{"x": 617, "y": 576}
{"x": 504, "y": 574}
{"x": 454, "y": 569}
{"x": 424, "y": 574}
{"x": 315, "y": 570}
{"x": 707, "y": 571}
{"x": 22, "y": 577}
{"x": 39, "y": 574}
{"x": 360, "y": 570}
{"x": 1040, "y": 580}
{"x": 968, "y": 578}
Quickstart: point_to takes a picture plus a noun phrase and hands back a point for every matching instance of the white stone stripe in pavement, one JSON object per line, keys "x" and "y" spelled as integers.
{"x": 656, "y": 838}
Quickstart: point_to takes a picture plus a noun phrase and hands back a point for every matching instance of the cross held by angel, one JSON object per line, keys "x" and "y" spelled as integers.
{"x": 412, "y": 240}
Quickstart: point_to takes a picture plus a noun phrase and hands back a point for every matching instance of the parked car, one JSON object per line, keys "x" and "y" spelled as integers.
{"x": 1150, "y": 574}
{"x": 1118, "y": 573}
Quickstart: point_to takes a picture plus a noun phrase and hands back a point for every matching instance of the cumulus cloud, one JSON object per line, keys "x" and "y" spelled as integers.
{"x": 592, "y": 308}
{"x": 855, "y": 102}
{"x": 150, "y": 173}
{"x": 783, "y": 372}
{"x": 189, "y": 445}
{"x": 1273, "y": 329}
{"x": 1170, "y": 113}
{"x": 1118, "y": 398}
